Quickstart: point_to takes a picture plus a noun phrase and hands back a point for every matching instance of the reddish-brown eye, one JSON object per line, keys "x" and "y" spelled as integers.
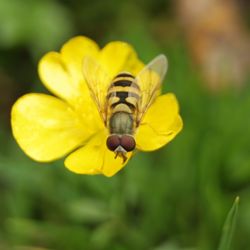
{"x": 113, "y": 141}
{"x": 128, "y": 142}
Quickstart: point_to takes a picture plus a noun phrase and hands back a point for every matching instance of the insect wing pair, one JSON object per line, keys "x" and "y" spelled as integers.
{"x": 149, "y": 81}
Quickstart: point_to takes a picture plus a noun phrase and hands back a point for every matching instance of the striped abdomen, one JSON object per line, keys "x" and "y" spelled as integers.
{"x": 123, "y": 96}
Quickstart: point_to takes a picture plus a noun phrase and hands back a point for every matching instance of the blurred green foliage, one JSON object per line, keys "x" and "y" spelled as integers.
{"x": 39, "y": 25}
{"x": 174, "y": 199}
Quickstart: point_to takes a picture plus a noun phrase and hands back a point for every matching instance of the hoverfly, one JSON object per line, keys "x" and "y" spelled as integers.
{"x": 123, "y": 100}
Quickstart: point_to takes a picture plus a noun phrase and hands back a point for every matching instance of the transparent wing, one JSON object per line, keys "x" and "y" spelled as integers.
{"x": 98, "y": 82}
{"x": 149, "y": 80}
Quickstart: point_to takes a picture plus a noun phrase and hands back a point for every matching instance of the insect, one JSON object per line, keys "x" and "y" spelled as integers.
{"x": 123, "y": 100}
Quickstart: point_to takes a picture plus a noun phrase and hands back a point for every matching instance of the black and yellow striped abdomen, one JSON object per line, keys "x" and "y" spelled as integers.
{"x": 122, "y": 98}
{"x": 123, "y": 91}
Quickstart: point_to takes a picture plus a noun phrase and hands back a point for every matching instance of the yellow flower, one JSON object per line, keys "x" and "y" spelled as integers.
{"x": 49, "y": 127}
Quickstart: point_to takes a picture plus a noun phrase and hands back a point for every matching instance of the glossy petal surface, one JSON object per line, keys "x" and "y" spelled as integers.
{"x": 45, "y": 127}
{"x": 120, "y": 56}
{"x": 62, "y": 74}
{"x": 160, "y": 124}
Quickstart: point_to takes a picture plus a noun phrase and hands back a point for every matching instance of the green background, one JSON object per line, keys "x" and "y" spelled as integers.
{"x": 173, "y": 199}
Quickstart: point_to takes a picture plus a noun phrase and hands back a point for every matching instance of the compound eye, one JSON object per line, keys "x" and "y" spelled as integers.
{"x": 128, "y": 142}
{"x": 113, "y": 141}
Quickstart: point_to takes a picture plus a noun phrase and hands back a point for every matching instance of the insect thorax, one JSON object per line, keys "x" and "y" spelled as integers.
{"x": 121, "y": 123}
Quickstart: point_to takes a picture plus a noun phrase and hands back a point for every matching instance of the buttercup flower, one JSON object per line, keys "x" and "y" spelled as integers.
{"x": 69, "y": 124}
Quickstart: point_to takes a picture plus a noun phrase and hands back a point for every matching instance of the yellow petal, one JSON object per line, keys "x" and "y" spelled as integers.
{"x": 95, "y": 158}
{"x": 45, "y": 127}
{"x": 87, "y": 159}
{"x": 55, "y": 76}
{"x": 73, "y": 53}
{"x": 111, "y": 165}
{"x": 160, "y": 124}
{"x": 120, "y": 56}
{"x": 59, "y": 74}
